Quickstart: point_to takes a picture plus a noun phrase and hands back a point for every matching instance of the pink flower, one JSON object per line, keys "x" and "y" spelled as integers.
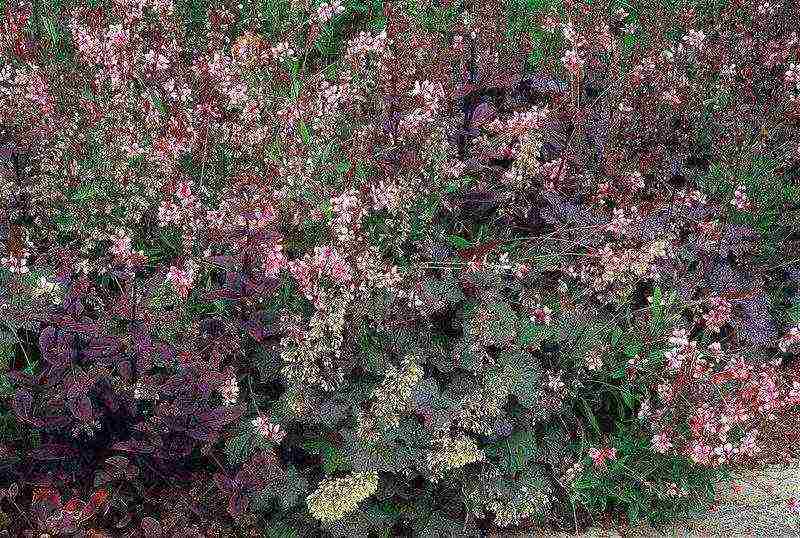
{"x": 572, "y": 61}
{"x": 740, "y": 199}
{"x": 793, "y": 505}
{"x": 598, "y": 457}
{"x": 789, "y": 339}
{"x": 121, "y": 247}
{"x": 700, "y": 453}
{"x": 661, "y": 443}
{"x": 542, "y": 315}
{"x": 269, "y": 430}
{"x": 602, "y": 455}
{"x": 792, "y": 75}
{"x": 549, "y": 24}
{"x": 679, "y": 337}
{"x": 695, "y": 39}
{"x": 725, "y": 452}
{"x": 182, "y": 279}
{"x": 719, "y": 314}
{"x": 748, "y": 444}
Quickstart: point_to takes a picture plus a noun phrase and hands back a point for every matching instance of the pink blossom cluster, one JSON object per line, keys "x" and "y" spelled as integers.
{"x": 740, "y": 199}
{"x": 17, "y": 263}
{"x": 685, "y": 350}
{"x": 431, "y": 97}
{"x": 327, "y": 10}
{"x": 695, "y": 39}
{"x": 542, "y": 315}
{"x": 364, "y": 44}
{"x": 182, "y": 278}
{"x": 719, "y": 313}
{"x": 325, "y": 261}
{"x": 520, "y": 123}
{"x": 269, "y": 430}
{"x": 790, "y": 339}
{"x": 691, "y": 198}
{"x": 601, "y": 456}
{"x": 619, "y": 223}
{"x": 661, "y": 443}
{"x": 348, "y": 210}
{"x": 284, "y": 52}
{"x": 792, "y": 76}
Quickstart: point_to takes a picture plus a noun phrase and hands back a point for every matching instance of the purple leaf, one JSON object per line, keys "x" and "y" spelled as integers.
{"x": 202, "y": 433}
{"x": 81, "y": 408}
{"x": 237, "y": 504}
{"x": 125, "y": 371}
{"x": 52, "y": 452}
{"x": 151, "y": 527}
{"x": 216, "y": 295}
{"x": 256, "y": 330}
{"x": 483, "y": 113}
{"x": 54, "y": 422}
{"x": 23, "y": 403}
{"x": 47, "y": 339}
{"x": 224, "y": 483}
{"x": 222, "y": 416}
{"x": 134, "y": 447}
{"x": 19, "y": 377}
{"x": 176, "y": 446}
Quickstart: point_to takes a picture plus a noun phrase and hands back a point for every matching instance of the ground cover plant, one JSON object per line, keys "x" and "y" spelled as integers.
{"x": 416, "y": 268}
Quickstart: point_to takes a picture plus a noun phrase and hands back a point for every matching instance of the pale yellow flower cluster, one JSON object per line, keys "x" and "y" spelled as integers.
{"x": 527, "y": 504}
{"x": 452, "y": 454}
{"x": 336, "y": 497}
{"x": 392, "y": 397}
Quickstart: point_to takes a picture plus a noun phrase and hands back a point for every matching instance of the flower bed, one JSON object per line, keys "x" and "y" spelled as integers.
{"x": 419, "y": 268}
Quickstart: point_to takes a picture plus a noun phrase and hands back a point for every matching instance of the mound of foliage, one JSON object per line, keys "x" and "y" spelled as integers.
{"x": 415, "y": 268}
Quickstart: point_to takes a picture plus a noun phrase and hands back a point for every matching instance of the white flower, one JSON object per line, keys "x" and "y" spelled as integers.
{"x": 555, "y": 383}
{"x": 740, "y": 198}
{"x": 229, "y": 391}
{"x": 695, "y": 38}
{"x": 679, "y": 337}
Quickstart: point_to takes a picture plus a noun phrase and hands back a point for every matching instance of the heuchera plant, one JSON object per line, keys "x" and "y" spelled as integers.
{"x": 357, "y": 268}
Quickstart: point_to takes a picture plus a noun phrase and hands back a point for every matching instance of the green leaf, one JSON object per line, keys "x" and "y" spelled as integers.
{"x": 632, "y": 348}
{"x": 85, "y": 192}
{"x": 656, "y": 310}
{"x": 333, "y": 460}
{"x": 159, "y": 104}
{"x": 517, "y": 451}
{"x": 591, "y": 417}
{"x": 51, "y": 30}
{"x": 306, "y": 136}
{"x": 343, "y": 167}
{"x": 627, "y": 397}
{"x": 276, "y": 529}
{"x": 458, "y": 242}
{"x": 531, "y": 333}
{"x": 290, "y": 489}
{"x": 619, "y": 373}
{"x": 616, "y": 335}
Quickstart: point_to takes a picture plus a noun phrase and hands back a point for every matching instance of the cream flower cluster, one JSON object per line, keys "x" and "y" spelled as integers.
{"x": 392, "y": 396}
{"x": 452, "y": 454}
{"x": 336, "y": 497}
